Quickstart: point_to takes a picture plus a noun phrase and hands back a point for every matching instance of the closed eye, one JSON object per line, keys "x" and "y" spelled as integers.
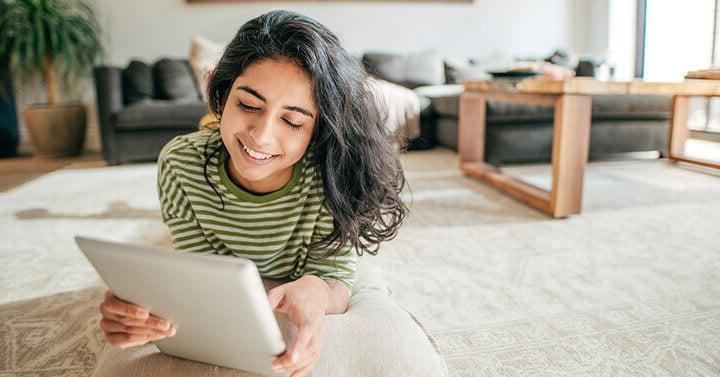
{"x": 293, "y": 125}
{"x": 250, "y": 108}
{"x": 246, "y": 107}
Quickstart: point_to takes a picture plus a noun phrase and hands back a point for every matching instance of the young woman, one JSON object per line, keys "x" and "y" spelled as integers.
{"x": 299, "y": 176}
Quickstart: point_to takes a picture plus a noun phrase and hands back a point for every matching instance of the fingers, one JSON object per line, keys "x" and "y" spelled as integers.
{"x": 305, "y": 368}
{"x": 125, "y": 309}
{"x": 301, "y": 341}
{"x": 305, "y": 358}
{"x": 129, "y": 314}
{"x": 115, "y": 317}
{"x": 126, "y": 325}
{"x": 125, "y": 340}
{"x": 112, "y": 326}
{"x": 121, "y": 335}
{"x": 305, "y": 352}
{"x": 158, "y": 323}
{"x": 153, "y": 321}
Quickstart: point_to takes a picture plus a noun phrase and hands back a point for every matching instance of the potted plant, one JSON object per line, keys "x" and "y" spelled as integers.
{"x": 58, "y": 42}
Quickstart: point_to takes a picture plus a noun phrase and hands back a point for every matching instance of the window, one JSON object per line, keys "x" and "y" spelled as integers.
{"x": 680, "y": 37}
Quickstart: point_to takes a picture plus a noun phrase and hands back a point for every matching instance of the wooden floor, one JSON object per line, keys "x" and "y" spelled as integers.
{"x": 18, "y": 170}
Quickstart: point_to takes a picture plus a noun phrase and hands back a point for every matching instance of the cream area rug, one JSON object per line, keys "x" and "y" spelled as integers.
{"x": 630, "y": 287}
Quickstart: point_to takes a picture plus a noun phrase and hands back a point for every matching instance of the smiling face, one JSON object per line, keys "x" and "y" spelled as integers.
{"x": 267, "y": 123}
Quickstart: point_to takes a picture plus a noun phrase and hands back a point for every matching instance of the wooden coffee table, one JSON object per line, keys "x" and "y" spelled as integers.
{"x": 571, "y": 132}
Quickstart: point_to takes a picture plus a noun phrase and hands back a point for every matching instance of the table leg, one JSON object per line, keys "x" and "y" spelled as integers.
{"x": 678, "y": 126}
{"x": 571, "y": 143}
{"x": 571, "y": 133}
{"x": 471, "y": 128}
{"x": 679, "y": 133}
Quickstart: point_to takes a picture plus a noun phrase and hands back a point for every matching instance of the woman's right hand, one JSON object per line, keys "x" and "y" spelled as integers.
{"x": 126, "y": 325}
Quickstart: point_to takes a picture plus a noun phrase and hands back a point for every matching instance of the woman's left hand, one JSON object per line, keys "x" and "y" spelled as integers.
{"x": 304, "y": 301}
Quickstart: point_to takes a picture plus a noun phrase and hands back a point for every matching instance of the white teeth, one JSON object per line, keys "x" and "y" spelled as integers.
{"x": 258, "y": 155}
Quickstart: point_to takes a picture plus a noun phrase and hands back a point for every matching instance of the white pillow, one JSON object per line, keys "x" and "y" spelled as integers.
{"x": 445, "y": 90}
{"x": 425, "y": 67}
{"x": 204, "y": 55}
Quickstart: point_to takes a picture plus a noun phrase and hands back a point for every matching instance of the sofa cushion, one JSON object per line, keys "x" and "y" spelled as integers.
{"x": 631, "y": 107}
{"x": 518, "y": 112}
{"x": 446, "y": 105}
{"x": 137, "y": 82}
{"x": 605, "y": 107}
{"x": 159, "y": 113}
{"x": 174, "y": 80}
{"x": 375, "y": 337}
{"x": 409, "y": 70}
{"x": 532, "y": 142}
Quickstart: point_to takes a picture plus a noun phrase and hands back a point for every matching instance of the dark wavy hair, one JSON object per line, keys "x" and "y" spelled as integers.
{"x": 352, "y": 149}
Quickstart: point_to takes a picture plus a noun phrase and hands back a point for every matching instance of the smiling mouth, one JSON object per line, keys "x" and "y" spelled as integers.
{"x": 255, "y": 156}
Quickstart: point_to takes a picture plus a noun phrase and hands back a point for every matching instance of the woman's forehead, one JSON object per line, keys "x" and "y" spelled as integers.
{"x": 277, "y": 71}
{"x": 277, "y": 79}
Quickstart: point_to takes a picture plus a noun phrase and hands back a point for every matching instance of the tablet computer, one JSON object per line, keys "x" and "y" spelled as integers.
{"x": 217, "y": 303}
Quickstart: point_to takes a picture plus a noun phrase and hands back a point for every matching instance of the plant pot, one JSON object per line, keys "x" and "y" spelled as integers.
{"x": 56, "y": 130}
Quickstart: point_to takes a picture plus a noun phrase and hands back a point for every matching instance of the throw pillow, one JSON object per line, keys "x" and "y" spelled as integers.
{"x": 424, "y": 68}
{"x": 137, "y": 82}
{"x": 409, "y": 70}
{"x": 204, "y": 55}
{"x": 388, "y": 67}
{"x": 174, "y": 80}
{"x": 457, "y": 70}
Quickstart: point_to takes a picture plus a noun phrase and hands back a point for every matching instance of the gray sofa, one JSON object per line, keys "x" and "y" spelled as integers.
{"x": 518, "y": 132}
{"x": 141, "y": 107}
{"x": 523, "y": 133}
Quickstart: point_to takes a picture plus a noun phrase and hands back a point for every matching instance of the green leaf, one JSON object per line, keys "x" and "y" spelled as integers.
{"x": 66, "y": 31}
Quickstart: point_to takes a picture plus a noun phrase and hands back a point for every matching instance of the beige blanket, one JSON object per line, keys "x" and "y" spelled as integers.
{"x": 402, "y": 106}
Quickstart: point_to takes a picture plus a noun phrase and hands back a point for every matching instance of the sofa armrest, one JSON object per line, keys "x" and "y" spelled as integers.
{"x": 108, "y": 88}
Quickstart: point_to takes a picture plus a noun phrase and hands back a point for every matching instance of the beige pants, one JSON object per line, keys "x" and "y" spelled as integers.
{"x": 374, "y": 338}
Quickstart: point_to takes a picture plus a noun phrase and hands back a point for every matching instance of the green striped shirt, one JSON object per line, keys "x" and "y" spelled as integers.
{"x": 273, "y": 230}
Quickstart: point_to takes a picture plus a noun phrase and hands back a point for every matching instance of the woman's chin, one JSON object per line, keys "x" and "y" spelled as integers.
{"x": 252, "y": 173}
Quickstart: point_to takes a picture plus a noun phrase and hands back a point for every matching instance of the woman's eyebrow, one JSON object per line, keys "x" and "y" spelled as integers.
{"x": 261, "y": 98}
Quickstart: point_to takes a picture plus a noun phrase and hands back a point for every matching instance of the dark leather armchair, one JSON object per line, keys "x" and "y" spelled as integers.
{"x": 140, "y": 110}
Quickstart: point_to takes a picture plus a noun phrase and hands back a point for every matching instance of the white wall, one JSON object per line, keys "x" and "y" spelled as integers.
{"x": 621, "y": 38}
{"x": 149, "y": 30}
{"x": 588, "y": 26}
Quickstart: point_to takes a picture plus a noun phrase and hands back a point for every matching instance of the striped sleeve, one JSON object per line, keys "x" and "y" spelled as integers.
{"x": 177, "y": 214}
{"x": 340, "y": 267}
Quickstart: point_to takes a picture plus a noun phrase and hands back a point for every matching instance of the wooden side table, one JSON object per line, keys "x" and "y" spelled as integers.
{"x": 571, "y": 132}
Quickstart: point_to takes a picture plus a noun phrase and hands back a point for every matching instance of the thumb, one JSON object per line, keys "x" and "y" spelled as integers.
{"x": 275, "y": 297}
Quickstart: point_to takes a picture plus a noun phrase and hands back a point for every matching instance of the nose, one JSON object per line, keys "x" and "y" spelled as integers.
{"x": 262, "y": 131}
